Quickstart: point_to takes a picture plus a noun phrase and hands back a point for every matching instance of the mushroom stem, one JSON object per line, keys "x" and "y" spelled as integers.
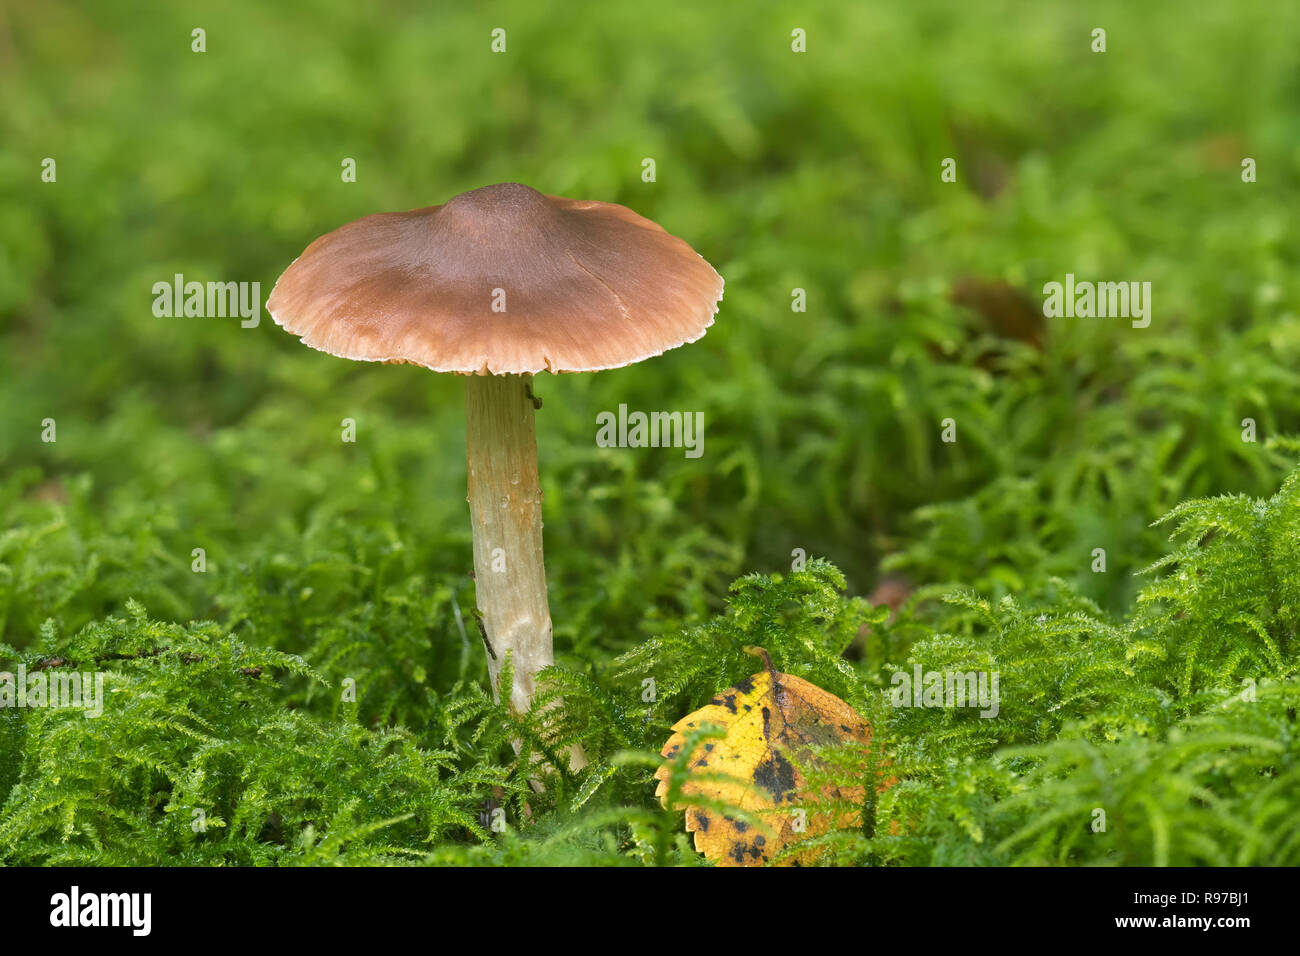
{"x": 505, "y": 504}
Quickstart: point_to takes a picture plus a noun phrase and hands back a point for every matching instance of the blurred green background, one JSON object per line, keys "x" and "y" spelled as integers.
{"x": 818, "y": 170}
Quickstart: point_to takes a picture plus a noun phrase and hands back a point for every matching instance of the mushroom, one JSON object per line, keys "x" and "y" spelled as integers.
{"x": 498, "y": 284}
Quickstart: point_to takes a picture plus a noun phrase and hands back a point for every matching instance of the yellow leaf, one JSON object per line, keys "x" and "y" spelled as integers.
{"x": 772, "y": 720}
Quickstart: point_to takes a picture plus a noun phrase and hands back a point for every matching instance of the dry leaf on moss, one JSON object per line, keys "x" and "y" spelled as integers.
{"x": 772, "y": 721}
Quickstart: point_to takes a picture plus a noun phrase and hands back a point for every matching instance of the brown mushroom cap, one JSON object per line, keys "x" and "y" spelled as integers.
{"x": 587, "y": 286}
